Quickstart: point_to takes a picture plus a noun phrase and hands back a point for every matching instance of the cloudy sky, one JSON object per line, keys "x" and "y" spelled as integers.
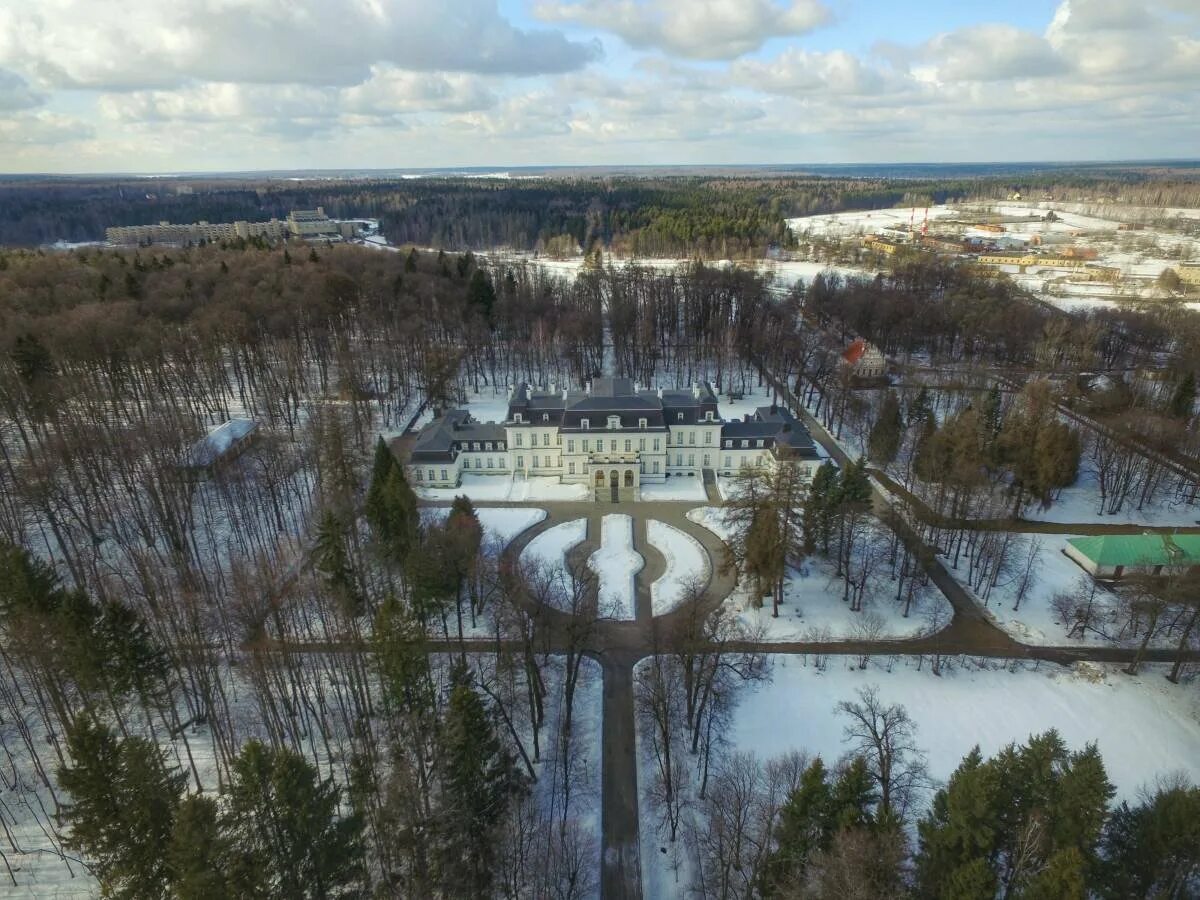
{"x": 154, "y": 86}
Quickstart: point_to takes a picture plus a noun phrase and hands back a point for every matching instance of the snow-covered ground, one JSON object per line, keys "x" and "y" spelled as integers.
{"x": 615, "y": 564}
{"x": 684, "y": 490}
{"x": 874, "y": 221}
{"x": 489, "y": 405}
{"x": 500, "y": 523}
{"x": 813, "y": 608}
{"x": 550, "y": 548}
{"x": 505, "y": 487}
{"x": 1079, "y": 503}
{"x": 686, "y": 560}
{"x": 1145, "y": 726}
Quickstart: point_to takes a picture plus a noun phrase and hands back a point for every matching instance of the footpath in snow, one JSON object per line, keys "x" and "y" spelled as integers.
{"x": 616, "y": 564}
{"x": 686, "y": 561}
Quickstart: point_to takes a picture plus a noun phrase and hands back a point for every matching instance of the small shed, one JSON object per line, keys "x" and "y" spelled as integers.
{"x": 1116, "y": 555}
{"x": 221, "y": 444}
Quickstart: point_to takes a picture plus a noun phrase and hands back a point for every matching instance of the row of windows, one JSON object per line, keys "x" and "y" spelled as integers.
{"x": 533, "y": 439}
{"x": 485, "y": 446}
{"x": 744, "y": 444}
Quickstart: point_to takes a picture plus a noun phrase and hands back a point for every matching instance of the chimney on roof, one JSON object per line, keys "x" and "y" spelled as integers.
{"x": 695, "y": 390}
{"x": 510, "y": 392}
{"x": 660, "y": 393}
{"x": 637, "y": 387}
{"x": 554, "y": 387}
{"x": 564, "y": 395}
{"x": 588, "y": 387}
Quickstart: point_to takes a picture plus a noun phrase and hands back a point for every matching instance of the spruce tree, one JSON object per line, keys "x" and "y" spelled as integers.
{"x": 887, "y": 433}
{"x": 1183, "y": 399}
{"x": 480, "y": 781}
{"x": 286, "y": 818}
{"x": 332, "y": 561}
{"x": 201, "y": 854}
{"x": 122, "y": 809}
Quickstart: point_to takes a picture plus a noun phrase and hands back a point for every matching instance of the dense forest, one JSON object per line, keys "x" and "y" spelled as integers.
{"x": 711, "y": 217}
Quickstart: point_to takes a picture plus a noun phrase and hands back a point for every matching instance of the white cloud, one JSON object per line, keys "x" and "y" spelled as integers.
{"x": 991, "y": 53}
{"x": 799, "y": 72}
{"x": 42, "y": 128}
{"x": 156, "y": 44}
{"x": 697, "y": 29}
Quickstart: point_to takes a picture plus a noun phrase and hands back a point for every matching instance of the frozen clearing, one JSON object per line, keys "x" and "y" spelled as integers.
{"x": 685, "y": 558}
{"x": 1079, "y": 502}
{"x": 686, "y": 490}
{"x": 550, "y": 548}
{"x": 616, "y": 563}
{"x": 505, "y": 487}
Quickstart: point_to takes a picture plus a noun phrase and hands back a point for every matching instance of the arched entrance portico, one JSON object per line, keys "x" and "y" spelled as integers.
{"x": 617, "y": 483}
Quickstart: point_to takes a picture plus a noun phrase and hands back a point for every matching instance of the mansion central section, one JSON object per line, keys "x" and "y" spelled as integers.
{"x": 614, "y": 436}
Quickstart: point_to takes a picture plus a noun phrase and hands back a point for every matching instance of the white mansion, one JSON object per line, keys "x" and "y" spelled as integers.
{"x": 613, "y": 434}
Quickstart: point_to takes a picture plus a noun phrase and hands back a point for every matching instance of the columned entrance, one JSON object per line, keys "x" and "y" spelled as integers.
{"x": 615, "y": 482}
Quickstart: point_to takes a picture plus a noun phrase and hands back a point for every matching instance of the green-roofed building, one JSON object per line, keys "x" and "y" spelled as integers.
{"x": 1116, "y": 555}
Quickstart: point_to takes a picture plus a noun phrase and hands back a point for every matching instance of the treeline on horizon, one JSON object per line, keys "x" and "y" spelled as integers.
{"x": 710, "y": 217}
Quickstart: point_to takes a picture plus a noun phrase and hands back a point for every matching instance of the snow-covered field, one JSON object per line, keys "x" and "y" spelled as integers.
{"x": 550, "y": 548}
{"x": 507, "y": 488}
{"x": 813, "y": 608}
{"x": 615, "y": 564}
{"x": 683, "y": 490}
{"x": 686, "y": 560}
{"x": 1079, "y": 503}
{"x": 500, "y": 523}
{"x": 1145, "y": 726}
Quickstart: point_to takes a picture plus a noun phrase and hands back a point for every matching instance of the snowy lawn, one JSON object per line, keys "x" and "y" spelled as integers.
{"x": 500, "y": 523}
{"x": 488, "y": 405}
{"x": 616, "y": 563}
{"x": 550, "y": 548}
{"x": 686, "y": 560}
{"x": 688, "y": 490}
{"x": 504, "y": 487}
{"x": 1145, "y": 726}
{"x": 1079, "y": 503}
{"x": 813, "y": 609}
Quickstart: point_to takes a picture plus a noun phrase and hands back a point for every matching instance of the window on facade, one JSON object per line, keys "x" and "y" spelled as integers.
{"x": 431, "y": 475}
{"x": 708, "y": 437}
{"x": 491, "y": 463}
{"x": 641, "y": 443}
{"x": 657, "y": 445}
{"x": 570, "y": 446}
{"x": 679, "y": 437}
{"x": 585, "y": 424}
{"x": 728, "y": 461}
{"x": 691, "y": 459}
{"x": 585, "y": 445}
{"x": 628, "y": 446}
{"x": 656, "y": 468}
{"x": 806, "y": 471}
{"x": 612, "y": 446}
{"x": 520, "y": 439}
{"x": 558, "y": 439}
{"x": 571, "y": 468}
{"x": 546, "y": 439}
{"x": 444, "y": 476}
{"x": 707, "y": 460}
{"x": 679, "y": 459}
{"x": 692, "y": 438}
{"x": 520, "y": 462}
{"x": 546, "y": 462}
{"x": 420, "y": 475}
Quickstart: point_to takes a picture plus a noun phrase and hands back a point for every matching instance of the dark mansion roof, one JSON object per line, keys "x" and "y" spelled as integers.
{"x": 777, "y": 428}
{"x": 443, "y": 438}
{"x": 607, "y": 397}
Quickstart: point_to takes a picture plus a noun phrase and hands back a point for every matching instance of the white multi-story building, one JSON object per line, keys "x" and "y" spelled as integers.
{"x": 614, "y": 434}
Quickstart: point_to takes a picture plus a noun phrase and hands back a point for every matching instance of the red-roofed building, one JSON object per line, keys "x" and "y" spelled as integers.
{"x": 864, "y": 360}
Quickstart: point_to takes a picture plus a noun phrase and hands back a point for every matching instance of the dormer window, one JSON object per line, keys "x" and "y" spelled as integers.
{"x": 642, "y": 423}
{"x": 585, "y": 424}
{"x": 759, "y": 444}
{"x": 517, "y": 418}
{"x": 614, "y": 421}
{"x": 545, "y": 417}
{"x": 708, "y": 416}
{"x": 745, "y": 444}
{"x": 678, "y": 417}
